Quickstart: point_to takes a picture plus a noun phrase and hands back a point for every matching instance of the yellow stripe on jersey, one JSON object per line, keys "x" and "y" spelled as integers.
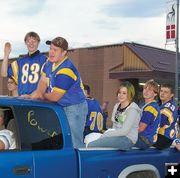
{"x": 168, "y": 114}
{"x": 59, "y": 90}
{"x": 14, "y": 66}
{"x": 152, "y": 110}
{"x": 48, "y": 81}
{"x": 81, "y": 84}
{"x": 16, "y": 81}
{"x": 162, "y": 129}
{"x": 155, "y": 137}
{"x": 68, "y": 72}
{"x": 172, "y": 133}
{"x": 43, "y": 73}
{"x": 55, "y": 66}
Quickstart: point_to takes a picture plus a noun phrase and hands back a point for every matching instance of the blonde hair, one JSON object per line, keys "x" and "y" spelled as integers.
{"x": 153, "y": 85}
{"x": 130, "y": 90}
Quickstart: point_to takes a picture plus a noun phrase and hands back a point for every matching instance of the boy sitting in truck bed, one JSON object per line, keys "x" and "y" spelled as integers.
{"x": 169, "y": 116}
{"x": 151, "y": 118}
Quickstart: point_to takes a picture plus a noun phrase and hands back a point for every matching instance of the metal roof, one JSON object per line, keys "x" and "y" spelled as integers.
{"x": 161, "y": 63}
{"x": 158, "y": 59}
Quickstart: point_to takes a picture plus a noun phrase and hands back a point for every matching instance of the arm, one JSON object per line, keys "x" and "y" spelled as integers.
{"x": 142, "y": 127}
{"x": 41, "y": 89}
{"x": 53, "y": 96}
{"x": 178, "y": 147}
{"x": 4, "y": 67}
{"x": 2, "y": 145}
{"x": 132, "y": 116}
{"x": 40, "y": 92}
{"x": 147, "y": 118}
{"x": 167, "y": 119}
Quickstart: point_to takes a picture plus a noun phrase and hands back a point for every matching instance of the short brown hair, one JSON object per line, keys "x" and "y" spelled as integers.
{"x": 87, "y": 88}
{"x": 32, "y": 34}
{"x": 167, "y": 85}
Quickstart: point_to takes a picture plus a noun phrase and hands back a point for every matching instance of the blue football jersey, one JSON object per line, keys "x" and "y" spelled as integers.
{"x": 151, "y": 116}
{"x": 169, "y": 116}
{"x": 65, "y": 79}
{"x": 26, "y": 72}
{"x": 94, "y": 119}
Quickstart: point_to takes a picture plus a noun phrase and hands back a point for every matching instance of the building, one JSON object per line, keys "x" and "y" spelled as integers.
{"x": 104, "y": 67}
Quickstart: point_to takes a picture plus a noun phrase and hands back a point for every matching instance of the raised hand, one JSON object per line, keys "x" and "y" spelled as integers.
{"x": 4, "y": 66}
{"x": 7, "y": 49}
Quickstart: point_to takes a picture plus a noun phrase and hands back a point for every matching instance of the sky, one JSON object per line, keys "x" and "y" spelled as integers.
{"x": 83, "y": 23}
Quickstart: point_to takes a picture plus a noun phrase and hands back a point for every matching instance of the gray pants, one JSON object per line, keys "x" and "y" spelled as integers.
{"x": 121, "y": 142}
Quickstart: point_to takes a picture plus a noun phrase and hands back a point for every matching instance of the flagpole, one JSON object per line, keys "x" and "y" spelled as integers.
{"x": 177, "y": 53}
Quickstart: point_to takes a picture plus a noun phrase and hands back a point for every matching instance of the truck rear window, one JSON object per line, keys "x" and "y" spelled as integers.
{"x": 39, "y": 128}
